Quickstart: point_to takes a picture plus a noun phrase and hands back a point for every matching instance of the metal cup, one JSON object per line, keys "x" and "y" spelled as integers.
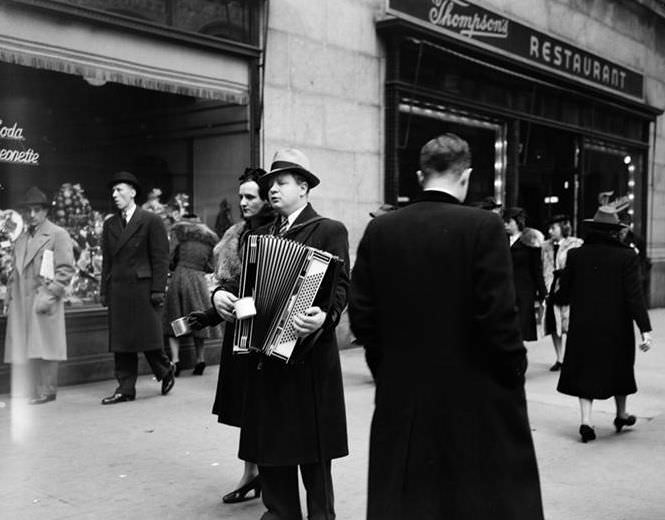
{"x": 245, "y": 308}
{"x": 180, "y": 326}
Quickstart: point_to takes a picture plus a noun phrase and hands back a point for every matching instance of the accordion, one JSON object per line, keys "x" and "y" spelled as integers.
{"x": 283, "y": 278}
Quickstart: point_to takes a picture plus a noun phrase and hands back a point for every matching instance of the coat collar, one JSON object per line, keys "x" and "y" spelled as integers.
{"x": 307, "y": 216}
{"x": 27, "y": 247}
{"x": 124, "y": 234}
{"x": 436, "y": 196}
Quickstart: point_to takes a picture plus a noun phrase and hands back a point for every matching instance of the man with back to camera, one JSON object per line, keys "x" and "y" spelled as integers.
{"x": 432, "y": 300}
{"x": 294, "y": 415}
{"x": 135, "y": 266}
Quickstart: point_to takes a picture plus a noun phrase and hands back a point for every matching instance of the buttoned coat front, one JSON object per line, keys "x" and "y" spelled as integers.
{"x": 432, "y": 301}
{"x": 294, "y": 413}
{"x": 135, "y": 265}
{"x": 36, "y": 312}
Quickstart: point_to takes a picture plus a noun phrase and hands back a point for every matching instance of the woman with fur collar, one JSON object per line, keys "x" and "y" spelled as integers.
{"x": 191, "y": 256}
{"x": 232, "y": 381}
{"x": 527, "y": 270}
{"x": 554, "y": 253}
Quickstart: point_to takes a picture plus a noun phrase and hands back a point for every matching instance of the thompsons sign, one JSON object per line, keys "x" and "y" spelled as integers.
{"x": 464, "y": 20}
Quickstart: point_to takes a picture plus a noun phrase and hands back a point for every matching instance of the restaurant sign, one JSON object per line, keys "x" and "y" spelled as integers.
{"x": 466, "y": 21}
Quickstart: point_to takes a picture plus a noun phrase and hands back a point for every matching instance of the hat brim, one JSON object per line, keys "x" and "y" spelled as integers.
{"x": 604, "y": 225}
{"x": 312, "y": 180}
{"x": 26, "y": 203}
{"x": 134, "y": 185}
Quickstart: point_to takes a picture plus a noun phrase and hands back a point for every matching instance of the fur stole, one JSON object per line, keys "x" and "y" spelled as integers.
{"x": 185, "y": 231}
{"x": 227, "y": 255}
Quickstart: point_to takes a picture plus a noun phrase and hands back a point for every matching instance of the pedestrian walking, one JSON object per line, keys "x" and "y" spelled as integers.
{"x": 294, "y": 416}
{"x": 432, "y": 298}
{"x": 191, "y": 257}
{"x": 35, "y": 340}
{"x": 601, "y": 282}
{"x": 135, "y": 265}
{"x": 554, "y": 255}
{"x": 530, "y": 289}
{"x": 232, "y": 379}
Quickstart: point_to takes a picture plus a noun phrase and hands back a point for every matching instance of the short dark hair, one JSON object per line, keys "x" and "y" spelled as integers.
{"x": 253, "y": 175}
{"x": 517, "y": 214}
{"x": 447, "y": 153}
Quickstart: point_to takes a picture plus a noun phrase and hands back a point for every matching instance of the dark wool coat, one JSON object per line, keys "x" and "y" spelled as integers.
{"x": 601, "y": 282}
{"x": 529, "y": 285}
{"x": 135, "y": 264}
{"x": 232, "y": 379}
{"x": 432, "y": 301}
{"x": 294, "y": 413}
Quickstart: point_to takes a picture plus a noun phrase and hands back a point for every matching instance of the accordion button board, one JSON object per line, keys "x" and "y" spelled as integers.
{"x": 283, "y": 277}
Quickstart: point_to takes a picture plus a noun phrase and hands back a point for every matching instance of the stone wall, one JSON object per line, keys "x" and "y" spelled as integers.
{"x": 324, "y": 95}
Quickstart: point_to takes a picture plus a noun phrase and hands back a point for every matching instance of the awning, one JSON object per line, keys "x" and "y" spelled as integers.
{"x": 106, "y": 54}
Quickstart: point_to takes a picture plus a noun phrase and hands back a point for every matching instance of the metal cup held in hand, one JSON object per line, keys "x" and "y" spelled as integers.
{"x": 244, "y": 308}
{"x": 180, "y": 327}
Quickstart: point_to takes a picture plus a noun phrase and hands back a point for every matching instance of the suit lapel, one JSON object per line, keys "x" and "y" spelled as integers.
{"x": 20, "y": 249}
{"x": 132, "y": 227}
{"x": 36, "y": 243}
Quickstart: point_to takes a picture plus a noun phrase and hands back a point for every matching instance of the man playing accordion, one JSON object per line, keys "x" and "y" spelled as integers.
{"x": 294, "y": 413}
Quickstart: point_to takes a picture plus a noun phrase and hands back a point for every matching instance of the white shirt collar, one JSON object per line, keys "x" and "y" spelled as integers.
{"x": 293, "y": 216}
{"x": 514, "y": 238}
{"x": 129, "y": 212}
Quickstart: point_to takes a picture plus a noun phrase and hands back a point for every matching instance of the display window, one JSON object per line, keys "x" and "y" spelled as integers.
{"x": 67, "y": 136}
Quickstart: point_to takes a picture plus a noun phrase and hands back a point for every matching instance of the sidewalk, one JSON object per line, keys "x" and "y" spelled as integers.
{"x": 166, "y": 457}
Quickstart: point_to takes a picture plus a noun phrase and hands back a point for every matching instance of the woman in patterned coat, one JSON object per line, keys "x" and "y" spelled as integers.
{"x": 554, "y": 253}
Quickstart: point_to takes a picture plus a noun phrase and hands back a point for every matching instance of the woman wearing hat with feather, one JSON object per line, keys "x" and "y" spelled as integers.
{"x": 601, "y": 285}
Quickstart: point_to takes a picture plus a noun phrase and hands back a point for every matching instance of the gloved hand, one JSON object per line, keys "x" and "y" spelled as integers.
{"x": 197, "y": 320}
{"x": 157, "y": 299}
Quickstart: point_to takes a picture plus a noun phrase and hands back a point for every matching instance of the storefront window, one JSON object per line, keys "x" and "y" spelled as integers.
{"x": 421, "y": 122}
{"x": 67, "y": 137}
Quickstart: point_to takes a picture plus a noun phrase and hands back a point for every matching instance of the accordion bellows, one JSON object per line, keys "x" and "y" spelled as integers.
{"x": 283, "y": 277}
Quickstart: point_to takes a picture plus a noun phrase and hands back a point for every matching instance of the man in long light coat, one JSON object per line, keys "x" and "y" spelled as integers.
{"x": 43, "y": 268}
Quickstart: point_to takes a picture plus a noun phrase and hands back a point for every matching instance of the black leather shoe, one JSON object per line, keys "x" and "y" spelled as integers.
{"x": 240, "y": 494}
{"x": 176, "y": 373}
{"x": 555, "y": 367}
{"x": 117, "y": 398}
{"x": 43, "y": 398}
{"x": 587, "y": 433}
{"x": 199, "y": 368}
{"x": 168, "y": 381}
{"x": 620, "y": 422}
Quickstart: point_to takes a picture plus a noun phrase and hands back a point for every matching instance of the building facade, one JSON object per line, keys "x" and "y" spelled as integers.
{"x": 561, "y": 100}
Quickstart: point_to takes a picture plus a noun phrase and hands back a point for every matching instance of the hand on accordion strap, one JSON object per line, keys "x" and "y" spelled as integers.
{"x": 223, "y": 302}
{"x": 309, "y": 321}
{"x": 197, "y": 320}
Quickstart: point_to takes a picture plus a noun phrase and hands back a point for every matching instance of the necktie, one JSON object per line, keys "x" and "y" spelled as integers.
{"x": 123, "y": 218}
{"x": 283, "y": 224}
{"x": 32, "y": 229}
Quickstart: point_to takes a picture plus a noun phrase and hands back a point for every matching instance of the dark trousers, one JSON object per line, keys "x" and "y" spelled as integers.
{"x": 127, "y": 367}
{"x": 44, "y": 376}
{"x": 279, "y": 488}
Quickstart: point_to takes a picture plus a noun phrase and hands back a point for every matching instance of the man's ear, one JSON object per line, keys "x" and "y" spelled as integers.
{"x": 420, "y": 176}
{"x": 466, "y": 176}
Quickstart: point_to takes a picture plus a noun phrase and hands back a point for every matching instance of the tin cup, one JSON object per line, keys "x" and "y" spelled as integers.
{"x": 180, "y": 326}
{"x": 245, "y": 308}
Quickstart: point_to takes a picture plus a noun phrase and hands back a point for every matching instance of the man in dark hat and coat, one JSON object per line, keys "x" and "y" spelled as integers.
{"x": 43, "y": 268}
{"x": 135, "y": 266}
{"x": 432, "y": 297}
{"x": 294, "y": 415}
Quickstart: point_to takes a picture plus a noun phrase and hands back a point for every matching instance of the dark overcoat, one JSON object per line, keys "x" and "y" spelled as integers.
{"x": 529, "y": 285}
{"x": 294, "y": 413}
{"x": 432, "y": 300}
{"x": 135, "y": 264}
{"x": 601, "y": 282}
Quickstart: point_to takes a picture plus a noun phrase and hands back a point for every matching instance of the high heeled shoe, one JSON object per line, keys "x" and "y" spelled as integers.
{"x": 199, "y": 368}
{"x": 587, "y": 433}
{"x": 240, "y": 494}
{"x": 620, "y": 422}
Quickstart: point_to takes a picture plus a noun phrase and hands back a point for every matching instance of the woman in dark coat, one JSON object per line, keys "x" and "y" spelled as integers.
{"x": 527, "y": 271}
{"x": 232, "y": 381}
{"x": 191, "y": 249}
{"x": 601, "y": 283}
